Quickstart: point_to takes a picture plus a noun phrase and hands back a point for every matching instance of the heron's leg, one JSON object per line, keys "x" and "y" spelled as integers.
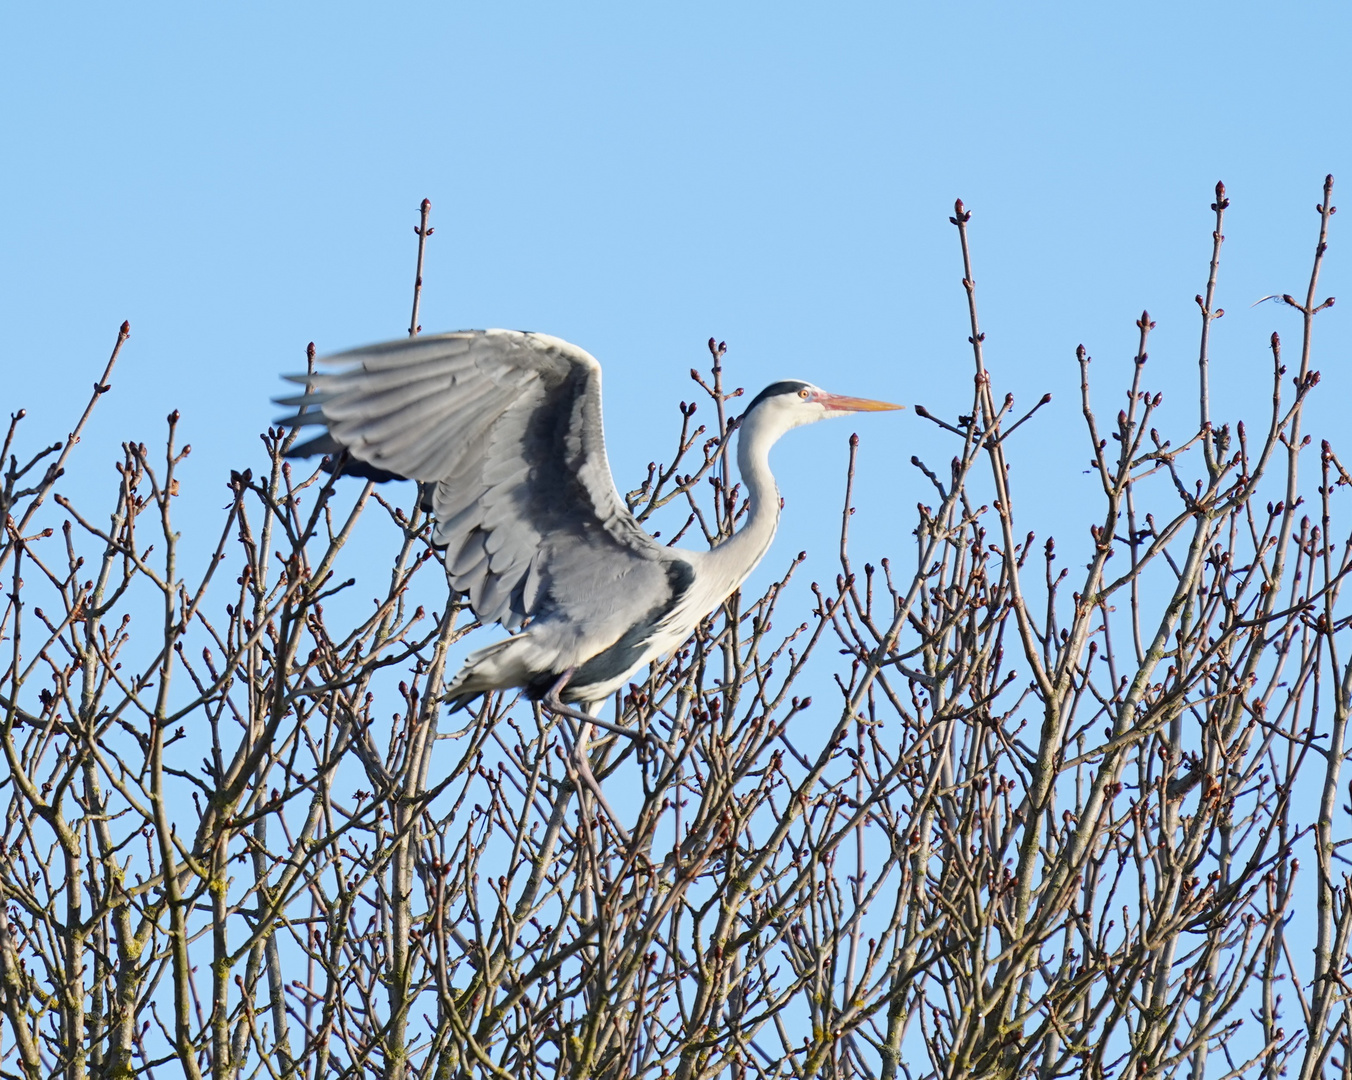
{"x": 558, "y": 708}
{"x": 580, "y": 763}
{"x": 554, "y": 703}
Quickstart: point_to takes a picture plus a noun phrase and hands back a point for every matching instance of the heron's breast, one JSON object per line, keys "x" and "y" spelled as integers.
{"x": 646, "y": 638}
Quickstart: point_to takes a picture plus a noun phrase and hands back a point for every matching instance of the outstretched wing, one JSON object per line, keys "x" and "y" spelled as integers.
{"x": 506, "y": 428}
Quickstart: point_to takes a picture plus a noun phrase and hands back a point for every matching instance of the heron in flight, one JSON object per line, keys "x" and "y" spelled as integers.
{"x": 504, "y": 429}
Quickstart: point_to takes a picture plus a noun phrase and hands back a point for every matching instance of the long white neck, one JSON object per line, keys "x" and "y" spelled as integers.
{"x": 730, "y": 562}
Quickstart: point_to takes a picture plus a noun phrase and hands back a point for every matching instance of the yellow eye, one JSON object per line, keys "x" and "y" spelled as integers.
{"x": 804, "y": 393}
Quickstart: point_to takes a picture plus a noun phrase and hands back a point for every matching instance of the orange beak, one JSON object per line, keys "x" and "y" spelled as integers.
{"x": 840, "y": 403}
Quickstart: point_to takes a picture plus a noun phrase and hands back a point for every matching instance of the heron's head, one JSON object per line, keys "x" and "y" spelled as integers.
{"x": 790, "y": 403}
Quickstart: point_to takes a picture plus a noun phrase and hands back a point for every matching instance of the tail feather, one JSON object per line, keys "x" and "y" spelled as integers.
{"x": 461, "y": 701}
{"x": 481, "y": 674}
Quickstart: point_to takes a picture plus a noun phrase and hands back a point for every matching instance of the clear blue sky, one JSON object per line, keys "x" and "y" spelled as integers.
{"x": 240, "y": 179}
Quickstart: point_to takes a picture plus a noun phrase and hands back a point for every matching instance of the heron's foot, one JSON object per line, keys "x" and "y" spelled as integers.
{"x": 580, "y": 767}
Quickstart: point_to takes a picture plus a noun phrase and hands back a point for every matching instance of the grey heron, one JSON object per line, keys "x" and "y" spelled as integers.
{"x": 504, "y": 428}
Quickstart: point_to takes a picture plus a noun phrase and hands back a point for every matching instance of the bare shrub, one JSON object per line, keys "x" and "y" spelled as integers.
{"x": 1044, "y": 820}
